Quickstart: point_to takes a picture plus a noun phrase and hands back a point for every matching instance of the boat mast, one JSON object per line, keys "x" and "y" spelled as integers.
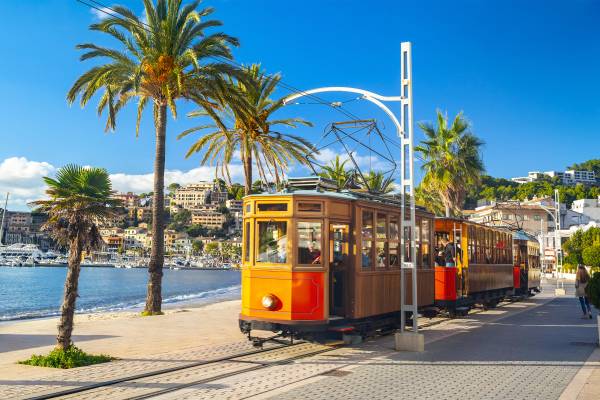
{"x": 3, "y": 215}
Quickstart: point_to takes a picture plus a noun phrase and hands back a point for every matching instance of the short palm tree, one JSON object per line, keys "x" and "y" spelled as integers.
{"x": 159, "y": 61}
{"x": 253, "y": 133}
{"x": 336, "y": 171}
{"x": 79, "y": 198}
{"x": 452, "y": 163}
{"x": 377, "y": 182}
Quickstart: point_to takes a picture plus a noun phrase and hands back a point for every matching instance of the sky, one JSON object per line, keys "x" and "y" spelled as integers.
{"x": 525, "y": 73}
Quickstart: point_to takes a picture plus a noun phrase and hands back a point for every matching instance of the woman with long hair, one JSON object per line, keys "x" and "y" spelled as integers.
{"x": 581, "y": 281}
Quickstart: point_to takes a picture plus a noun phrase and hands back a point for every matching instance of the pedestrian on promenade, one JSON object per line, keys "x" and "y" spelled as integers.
{"x": 581, "y": 280}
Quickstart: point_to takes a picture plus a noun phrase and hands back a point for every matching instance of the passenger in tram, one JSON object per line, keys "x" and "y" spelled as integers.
{"x": 439, "y": 258}
{"x": 449, "y": 252}
{"x": 314, "y": 254}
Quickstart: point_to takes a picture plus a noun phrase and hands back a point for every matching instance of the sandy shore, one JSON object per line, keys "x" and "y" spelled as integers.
{"x": 121, "y": 334}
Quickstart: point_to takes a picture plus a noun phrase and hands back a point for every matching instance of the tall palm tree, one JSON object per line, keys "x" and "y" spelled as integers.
{"x": 452, "y": 162}
{"x": 159, "y": 61}
{"x": 253, "y": 131}
{"x": 376, "y": 182}
{"x": 336, "y": 171}
{"x": 79, "y": 199}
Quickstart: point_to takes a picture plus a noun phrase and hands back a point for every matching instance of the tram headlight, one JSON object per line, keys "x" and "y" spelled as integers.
{"x": 269, "y": 301}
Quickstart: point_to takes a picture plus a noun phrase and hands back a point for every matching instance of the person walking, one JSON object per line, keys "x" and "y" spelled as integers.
{"x": 581, "y": 281}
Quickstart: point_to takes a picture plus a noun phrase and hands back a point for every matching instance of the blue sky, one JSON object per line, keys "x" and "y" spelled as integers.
{"x": 526, "y": 74}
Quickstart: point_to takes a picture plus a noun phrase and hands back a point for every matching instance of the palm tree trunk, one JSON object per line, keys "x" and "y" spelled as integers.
{"x": 247, "y": 173}
{"x": 67, "y": 310}
{"x": 157, "y": 254}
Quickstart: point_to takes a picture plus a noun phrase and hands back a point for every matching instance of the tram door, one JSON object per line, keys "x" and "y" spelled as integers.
{"x": 338, "y": 268}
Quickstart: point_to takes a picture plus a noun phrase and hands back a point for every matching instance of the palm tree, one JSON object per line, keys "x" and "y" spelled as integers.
{"x": 79, "y": 199}
{"x": 161, "y": 60}
{"x": 337, "y": 172}
{"x": 452, "y": 162}
{"x": 376, "y": 182}
{"x": 252, "y": 133}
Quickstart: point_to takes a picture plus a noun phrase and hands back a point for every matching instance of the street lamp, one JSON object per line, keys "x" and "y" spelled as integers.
{"x": 555, "y": 214}
{"x": 412, "y": 341}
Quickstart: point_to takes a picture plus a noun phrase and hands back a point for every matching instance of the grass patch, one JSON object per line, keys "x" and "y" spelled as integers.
{"x": 151, "y": 313}
{"x": 72, "y": 357}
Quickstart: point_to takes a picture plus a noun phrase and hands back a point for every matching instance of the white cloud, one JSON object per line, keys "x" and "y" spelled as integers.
{"x": 101, "y": 12}
{"x": 23, "y": 179}
{"x": 144, "y": 182}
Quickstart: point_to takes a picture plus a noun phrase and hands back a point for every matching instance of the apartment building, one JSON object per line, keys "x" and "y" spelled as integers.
{"x": 569, "y": 177}
{"x": 210, "y": 219}
{"x": 128, "y": 199}
{"x": 588, "y": 207}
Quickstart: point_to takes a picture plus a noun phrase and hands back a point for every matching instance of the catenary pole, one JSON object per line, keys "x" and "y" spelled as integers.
{"x": 3, "y": 216}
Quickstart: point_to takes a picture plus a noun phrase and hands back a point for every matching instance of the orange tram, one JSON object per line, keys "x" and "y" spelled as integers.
{"x": 317, "y": 263}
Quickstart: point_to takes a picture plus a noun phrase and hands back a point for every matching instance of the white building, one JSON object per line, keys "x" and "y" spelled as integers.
{"x": 569, "y": 177}
{"x": 588, "y": 207}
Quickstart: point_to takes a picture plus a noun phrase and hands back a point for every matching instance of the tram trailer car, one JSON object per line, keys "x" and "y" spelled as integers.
{"x": 526, "y": 255}
{"x": 483, "y": 272}
{"x": 320, "y": 263}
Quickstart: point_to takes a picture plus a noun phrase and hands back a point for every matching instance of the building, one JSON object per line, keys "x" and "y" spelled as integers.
{"x": 129, "y": 199}
{"x": 134, "y": 238}
{"x": 113, "y": 244}
{"x": 569, "y": 177}
{"x": 209, "y": 219}
{"x": 193, "y": 195}
{"x": 218, "y": 197}
{"x": 144, "y": 214}
{"x": 588, "y": 207}
{"x": 234, "y": 205}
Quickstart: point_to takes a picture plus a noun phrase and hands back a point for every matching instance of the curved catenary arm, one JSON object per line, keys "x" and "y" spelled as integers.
{"x": 370, "y": 96}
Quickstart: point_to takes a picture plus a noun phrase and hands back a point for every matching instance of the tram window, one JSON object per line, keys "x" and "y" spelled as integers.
{"x": 381, "y": 230}
{"x": 367, "y": 224}
{"x": 272, "y": 242}
{"x": 309, "y": 243}
{"x": 309, "y": 207}
{"x": 247, "y": 242}
{"x": 248, "y": 208}
{"x": 381, "y": 256}
{"x": 425, "y": 244}
{"x": 367, "y": 254}
{"x": 394, "y": 228}
{"x": 394, "y": 257}
{"x": 267, "y": 207}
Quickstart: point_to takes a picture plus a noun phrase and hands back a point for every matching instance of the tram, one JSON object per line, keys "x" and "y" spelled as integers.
{"x": 526, "y": 256}
{"x": 320, "y": 260}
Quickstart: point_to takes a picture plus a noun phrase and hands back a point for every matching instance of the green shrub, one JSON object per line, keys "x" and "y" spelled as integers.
{"x": 72, "y": 357}
{"x": 591, "y": 256}
{"x": 593, "y": 290}
{"x": 569, "y": 268}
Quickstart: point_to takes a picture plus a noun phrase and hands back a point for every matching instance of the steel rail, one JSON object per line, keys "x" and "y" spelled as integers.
{"x": 164, "y": 371}
{"x": 259, "y": 366}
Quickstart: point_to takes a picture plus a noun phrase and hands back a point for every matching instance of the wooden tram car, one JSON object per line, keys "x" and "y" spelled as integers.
{"x": 484, "y": 270}
{"x": 526, "y": 256}
{"x": 319, "y": 262}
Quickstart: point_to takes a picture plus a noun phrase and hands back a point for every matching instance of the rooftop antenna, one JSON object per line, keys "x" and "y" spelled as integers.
{"x": 3, "y": 215}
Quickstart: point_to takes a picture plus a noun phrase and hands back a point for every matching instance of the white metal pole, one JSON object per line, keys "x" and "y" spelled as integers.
{"x": 3, "y": 216}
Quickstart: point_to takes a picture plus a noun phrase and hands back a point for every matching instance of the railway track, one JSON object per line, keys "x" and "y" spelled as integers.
{"x": 163, "y": 381}
{"x": 154, "y": 383}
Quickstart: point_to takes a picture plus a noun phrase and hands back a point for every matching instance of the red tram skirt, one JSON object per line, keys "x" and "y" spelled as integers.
{"x": 445, "y": 283}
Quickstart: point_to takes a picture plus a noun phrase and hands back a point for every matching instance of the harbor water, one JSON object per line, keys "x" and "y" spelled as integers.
{"x": 37, "y": 292}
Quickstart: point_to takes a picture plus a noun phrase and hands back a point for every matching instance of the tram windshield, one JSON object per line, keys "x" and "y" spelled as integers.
{"x": 272, "y": 242}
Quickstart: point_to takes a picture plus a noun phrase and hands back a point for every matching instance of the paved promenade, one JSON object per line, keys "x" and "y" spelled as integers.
{"x": 534, "y": 349}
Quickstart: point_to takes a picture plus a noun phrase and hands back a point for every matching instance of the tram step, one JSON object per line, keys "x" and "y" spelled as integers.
{"x": 342, "y": 328}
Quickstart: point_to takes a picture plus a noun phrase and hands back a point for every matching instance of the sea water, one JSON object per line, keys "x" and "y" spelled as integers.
{"x": 37, "y": 292}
